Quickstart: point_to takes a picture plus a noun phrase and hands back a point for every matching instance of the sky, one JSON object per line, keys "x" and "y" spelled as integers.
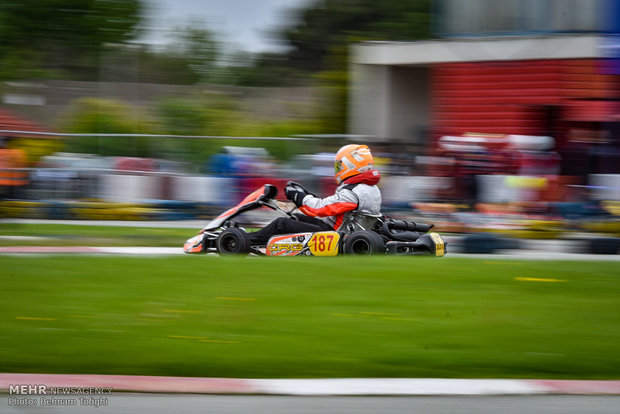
{"x": 238, "y": 24}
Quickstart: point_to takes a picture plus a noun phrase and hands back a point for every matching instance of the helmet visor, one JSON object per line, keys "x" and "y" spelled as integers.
{"x": 338, "y": 167}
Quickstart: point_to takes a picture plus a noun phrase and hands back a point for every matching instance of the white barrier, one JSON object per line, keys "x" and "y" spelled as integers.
{"x": 506, "y": 188}
{"x": 605, "y": 186}
{"x": 203, "y": 189}
{"x": 127, "y": 188}
{"x": 493, "y": 189}
{"x": 407, "y": 189}
{"x": 123, "y": 188}
{"x": 134, "y": 188}
{"x": 509, "y": 188}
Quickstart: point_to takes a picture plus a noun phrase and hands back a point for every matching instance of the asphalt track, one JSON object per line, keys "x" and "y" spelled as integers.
{"x": 226, "y": 404}
{"x": 522, "y": 254}
{"x": 559, "y": 249}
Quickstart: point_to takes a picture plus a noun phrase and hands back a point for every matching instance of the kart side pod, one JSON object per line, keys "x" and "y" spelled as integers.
{"x": 324, "y": 243}
{"x": 431, "y": 243}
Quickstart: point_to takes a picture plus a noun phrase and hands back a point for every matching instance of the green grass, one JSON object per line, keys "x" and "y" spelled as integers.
{"x": 81, "y": 235}
{"x": 310, "y": 317}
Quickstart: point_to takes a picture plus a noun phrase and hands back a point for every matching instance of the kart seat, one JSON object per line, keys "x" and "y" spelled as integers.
{"x": 360, "y": 220}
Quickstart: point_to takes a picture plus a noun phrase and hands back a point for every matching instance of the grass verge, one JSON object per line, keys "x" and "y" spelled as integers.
{"x": 310, "y": 317}
{"x": 82, "y": 235}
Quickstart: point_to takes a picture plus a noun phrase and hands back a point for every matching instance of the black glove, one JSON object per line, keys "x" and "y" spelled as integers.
{"x": 298, "y": 186}
{"x": 296, "y": 194}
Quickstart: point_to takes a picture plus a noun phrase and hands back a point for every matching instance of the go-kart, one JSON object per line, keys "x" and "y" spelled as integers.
{"x": 360, "y": 234}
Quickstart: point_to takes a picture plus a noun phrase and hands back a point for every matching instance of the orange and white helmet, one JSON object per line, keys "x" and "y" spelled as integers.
{"x": 352, "y": 160}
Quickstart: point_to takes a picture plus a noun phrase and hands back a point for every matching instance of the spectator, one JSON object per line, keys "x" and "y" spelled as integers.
{"x": 13, "y": 173}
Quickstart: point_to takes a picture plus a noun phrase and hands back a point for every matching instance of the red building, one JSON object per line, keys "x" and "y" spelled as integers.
{"x": 548, "y": 86}
{"x": 528, "y": 97}
{"x": 15, "y": 129}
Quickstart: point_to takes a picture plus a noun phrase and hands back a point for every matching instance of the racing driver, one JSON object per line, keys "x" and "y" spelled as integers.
{"x": 357, "y": 190}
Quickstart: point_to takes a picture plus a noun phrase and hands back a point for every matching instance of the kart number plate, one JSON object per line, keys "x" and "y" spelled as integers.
{"x": 324, "y": 243}
{"x": 440, "y": 246}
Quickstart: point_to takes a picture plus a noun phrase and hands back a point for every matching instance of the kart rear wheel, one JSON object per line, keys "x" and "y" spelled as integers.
{"x": 233, "y": 240}
{"x": 364, "y": 242}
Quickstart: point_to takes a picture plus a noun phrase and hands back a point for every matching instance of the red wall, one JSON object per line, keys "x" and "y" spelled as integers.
{"x": 509, "y": 97}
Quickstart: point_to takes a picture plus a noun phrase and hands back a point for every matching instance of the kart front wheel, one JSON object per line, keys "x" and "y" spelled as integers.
{"x": 233, "y": 240}
{"x": 364, "y": 242}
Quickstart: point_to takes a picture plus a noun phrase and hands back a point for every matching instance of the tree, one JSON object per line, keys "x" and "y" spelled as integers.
{"x": 198, "y": 46}
{"x": 333, "y": 84}
{"x": 264, "y": 69}
{"x": 192, "y": 56}
{"x": 62, "y": 37}
{"x": 140, "y": 64}
{"x": 104, "y": 116}
{"x": 328, "y": 24}
{"x": 320, "y": 36}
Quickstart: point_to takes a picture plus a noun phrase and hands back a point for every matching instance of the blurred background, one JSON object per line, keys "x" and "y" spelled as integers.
{"x": 495, "y": 116}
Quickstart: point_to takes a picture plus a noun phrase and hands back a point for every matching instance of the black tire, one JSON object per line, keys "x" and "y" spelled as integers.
{"x": 364, "y": 242}
{"x": 480, "y": 243}
{"x": 604, "y": 245}
{"x": 233, "y": 240}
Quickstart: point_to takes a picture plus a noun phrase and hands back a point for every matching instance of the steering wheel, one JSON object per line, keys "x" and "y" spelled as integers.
{"x": 296, "y": 185}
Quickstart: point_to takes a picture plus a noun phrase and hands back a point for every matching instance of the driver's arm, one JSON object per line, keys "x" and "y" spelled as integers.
{"x": 342, "y": 201}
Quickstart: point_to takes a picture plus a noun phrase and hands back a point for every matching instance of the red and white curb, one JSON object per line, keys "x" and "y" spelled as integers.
{"x": 435, "y": 386}
{"x": 344, "y": 386}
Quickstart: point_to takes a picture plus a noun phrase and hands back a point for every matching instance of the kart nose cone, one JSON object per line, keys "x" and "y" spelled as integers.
{"x": 194, "y": 245}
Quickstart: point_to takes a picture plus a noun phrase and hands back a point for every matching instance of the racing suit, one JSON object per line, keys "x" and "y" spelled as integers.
{"x": 359, "y": 192}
